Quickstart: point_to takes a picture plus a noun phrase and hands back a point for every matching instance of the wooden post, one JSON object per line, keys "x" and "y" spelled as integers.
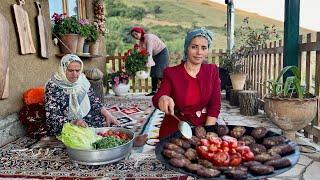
{"x": 248, "y": 102}
{"x": 234, "y": 97}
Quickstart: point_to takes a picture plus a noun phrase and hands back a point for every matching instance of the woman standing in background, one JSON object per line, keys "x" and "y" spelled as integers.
{"x": 158, "y": 58}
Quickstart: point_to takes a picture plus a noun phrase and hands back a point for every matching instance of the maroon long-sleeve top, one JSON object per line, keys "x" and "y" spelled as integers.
{"x": 175, "y": 84}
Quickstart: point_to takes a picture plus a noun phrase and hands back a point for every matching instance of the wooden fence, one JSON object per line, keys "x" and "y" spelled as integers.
{"x": 266, "y": 61}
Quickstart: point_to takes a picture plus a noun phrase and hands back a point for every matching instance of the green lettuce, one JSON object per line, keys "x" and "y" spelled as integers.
{"x": 78, "y": 137}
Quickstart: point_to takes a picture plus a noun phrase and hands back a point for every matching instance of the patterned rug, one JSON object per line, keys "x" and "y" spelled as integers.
{"x": 47, "y": 159}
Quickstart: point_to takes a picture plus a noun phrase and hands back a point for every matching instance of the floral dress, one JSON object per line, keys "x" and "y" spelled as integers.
{"x": 57, "y": 106}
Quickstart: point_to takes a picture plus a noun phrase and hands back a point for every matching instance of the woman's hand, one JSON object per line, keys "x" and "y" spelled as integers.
{"x": 109, "y": 118}
{"x": 80, "y": 122}
{"x": 166, "y": 104}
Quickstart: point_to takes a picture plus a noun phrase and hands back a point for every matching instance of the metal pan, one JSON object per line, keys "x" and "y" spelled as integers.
{"x": 102, "y": 156}
{"x": 294, "y": 157}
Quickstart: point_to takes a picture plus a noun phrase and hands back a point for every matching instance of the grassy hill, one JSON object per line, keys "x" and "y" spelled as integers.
{"x": 171, "y": 19}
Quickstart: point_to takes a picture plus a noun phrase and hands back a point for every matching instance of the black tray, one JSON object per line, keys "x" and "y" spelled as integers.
{"x": 294, "y": 157}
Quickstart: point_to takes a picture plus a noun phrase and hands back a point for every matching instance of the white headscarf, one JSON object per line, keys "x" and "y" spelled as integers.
{"x": 79, "y": 103}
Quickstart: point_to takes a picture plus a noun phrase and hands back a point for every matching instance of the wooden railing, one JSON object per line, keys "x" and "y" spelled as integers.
{"x": 266, "y": 61}
{"x": 136, "y": 85}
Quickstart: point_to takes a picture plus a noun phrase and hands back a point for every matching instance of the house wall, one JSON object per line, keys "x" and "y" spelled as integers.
{"x": 27, "y": 71}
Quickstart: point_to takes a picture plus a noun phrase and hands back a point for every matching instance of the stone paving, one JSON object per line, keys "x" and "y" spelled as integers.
{"x": 308, "y": 166}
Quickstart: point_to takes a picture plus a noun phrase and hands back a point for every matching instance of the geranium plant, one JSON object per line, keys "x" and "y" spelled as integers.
{"x": 65, "y": 25}
{"x": 115, "y": 78}
{"x": 135, "y": 60}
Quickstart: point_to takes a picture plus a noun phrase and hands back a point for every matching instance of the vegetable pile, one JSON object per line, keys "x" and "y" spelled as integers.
{"x": 78, "y": 137}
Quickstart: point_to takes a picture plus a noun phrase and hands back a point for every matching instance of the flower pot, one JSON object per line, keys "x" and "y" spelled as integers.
{"x": 86, "y": 47}
{"x": 69, "y": 43}
{"x": 121, "y": 89}
{"x": 238, "y": 80}
{"x": 94, "y": 47}
{"x": 290, "y": 115}
{"x": 142, "y": 74}
{"x": 80, "y": 44}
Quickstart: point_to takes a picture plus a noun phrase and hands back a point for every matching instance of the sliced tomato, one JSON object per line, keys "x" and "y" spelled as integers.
{"x": 249, "y": 156}
{"x": 235, "y": 160}
{"x": 123, "y": 136}
{"x": 213, "y": 148}
{"x": 224, "y": 144}
{"x": 202, "y": 151}
{"x": 205, "y": 142}
{"x": 215, "y": 140}
{"x": 221, "y": 159}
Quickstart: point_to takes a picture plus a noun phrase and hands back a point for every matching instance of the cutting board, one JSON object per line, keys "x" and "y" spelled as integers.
{"x": 23, "y": 28}
{"x": 4, "y": 58}
{"x": 42, "y": 33}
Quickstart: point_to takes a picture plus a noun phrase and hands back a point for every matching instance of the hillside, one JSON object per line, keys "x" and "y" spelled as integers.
{"x": 174, "y": 18}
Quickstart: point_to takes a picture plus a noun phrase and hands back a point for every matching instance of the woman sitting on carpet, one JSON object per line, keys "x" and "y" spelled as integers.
{"x": 69, "y": 98}
{"x": 190, "y": 90}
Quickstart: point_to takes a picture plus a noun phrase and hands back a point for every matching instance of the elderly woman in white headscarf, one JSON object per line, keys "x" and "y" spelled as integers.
{"x": 69, "y": 98}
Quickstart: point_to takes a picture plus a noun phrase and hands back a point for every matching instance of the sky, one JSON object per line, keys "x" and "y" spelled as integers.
{"x": 309, "y": 10}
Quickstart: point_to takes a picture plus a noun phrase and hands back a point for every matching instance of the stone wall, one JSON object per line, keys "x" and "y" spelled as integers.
{"x": 10, "y": 129}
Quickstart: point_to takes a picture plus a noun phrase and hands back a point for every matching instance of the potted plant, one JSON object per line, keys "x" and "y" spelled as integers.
{"x": 93, "y": 39}
{"x": 135, "y": 63}
{"x": 287, "y": 104}
{"x": 119, "y": 82}
{"x": 248, "y": 39}
{"x": 233, "y": 63}
{"x": 67, "y": 29}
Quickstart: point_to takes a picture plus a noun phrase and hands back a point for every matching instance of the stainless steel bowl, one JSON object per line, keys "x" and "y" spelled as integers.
{"x": 103, "y": 156}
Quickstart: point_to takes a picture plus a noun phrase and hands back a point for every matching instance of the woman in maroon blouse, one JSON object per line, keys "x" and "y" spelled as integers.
{"x": 190, "y": 90}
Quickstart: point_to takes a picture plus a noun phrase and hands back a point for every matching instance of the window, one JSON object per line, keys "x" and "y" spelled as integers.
{"x": 70, "y": 7}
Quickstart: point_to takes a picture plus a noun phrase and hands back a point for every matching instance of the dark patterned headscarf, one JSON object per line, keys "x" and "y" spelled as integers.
{"x": 195, "y": 33}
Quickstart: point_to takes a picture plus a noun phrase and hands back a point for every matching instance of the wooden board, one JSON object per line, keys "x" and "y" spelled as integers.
{"x": 4, "y": 58}
{"x": 23, "y": 28}
{"x": 42, "y": 33}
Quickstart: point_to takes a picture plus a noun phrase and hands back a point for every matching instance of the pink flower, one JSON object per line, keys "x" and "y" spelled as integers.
{"x": 84, "y": 22}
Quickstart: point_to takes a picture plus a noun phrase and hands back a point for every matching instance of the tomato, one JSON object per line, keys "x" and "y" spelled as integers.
{"x": 221, "y": 159}
{"x": 202, "y": 151}
{"x": 109, "y": 133}
{"x": 205, "y": 142}
{"x": 249, "y": 156}
{"x": 235, "y": 159}
{"x": 232, "y": 151}
{"x": 225, "y": 149}
{"x": 215, "y": 140}
{"x": 243, "y": 149}
{"x": 124, "y": 136}
{"x": 225, "y": 144}
{"x": 213, "y": 148}
{"x": 219, "y": 150}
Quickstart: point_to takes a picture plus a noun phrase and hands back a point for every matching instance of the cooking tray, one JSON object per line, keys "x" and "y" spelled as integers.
{"x": 294, "y": 157}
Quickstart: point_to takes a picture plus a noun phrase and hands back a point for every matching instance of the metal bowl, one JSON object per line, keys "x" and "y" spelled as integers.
{"x": 103, "y": 156}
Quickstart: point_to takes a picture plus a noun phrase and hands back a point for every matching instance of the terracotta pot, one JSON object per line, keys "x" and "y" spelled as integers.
{"x": 238, "y": 80}
{"x": 94, "y": 47}
{"x": 290, "y": 115}
{"x": 69, "y": 43}
{"x": 121, "y": 89}
{"x": 80, "y": 44}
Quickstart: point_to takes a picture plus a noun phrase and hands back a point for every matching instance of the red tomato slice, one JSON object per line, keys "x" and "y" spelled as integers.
{"x": 205, "y": 142}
